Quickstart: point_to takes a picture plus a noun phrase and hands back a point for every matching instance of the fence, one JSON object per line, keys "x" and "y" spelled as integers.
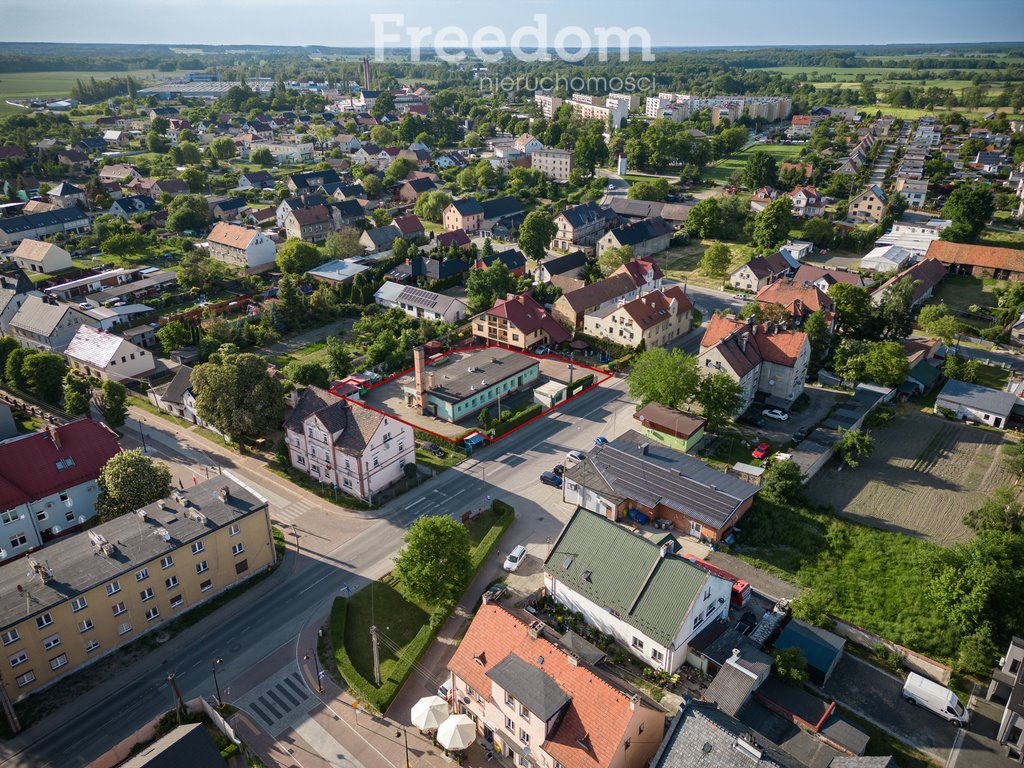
{"x": 912, "y": 660}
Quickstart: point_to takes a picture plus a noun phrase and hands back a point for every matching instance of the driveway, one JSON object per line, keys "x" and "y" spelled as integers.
{"x": 876, "y": 696}
{"x": 779, "y": 432}
{"x": 979, "y": 748}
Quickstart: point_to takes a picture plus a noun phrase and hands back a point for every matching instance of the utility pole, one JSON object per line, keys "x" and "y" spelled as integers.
{"x": 376, "y": 655}
{"x": 142, "y": 435}
{"x": 179, "y": 705}
{"x": 216, "y": 683}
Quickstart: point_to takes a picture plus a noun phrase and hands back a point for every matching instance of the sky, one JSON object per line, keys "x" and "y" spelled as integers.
{"x": 669, "y": 22}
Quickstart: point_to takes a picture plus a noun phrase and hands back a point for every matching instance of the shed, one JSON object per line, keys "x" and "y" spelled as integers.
{"x": 820, "y": 648}
{"x": 549, "y": 394}
{"x": 747, "y": 472}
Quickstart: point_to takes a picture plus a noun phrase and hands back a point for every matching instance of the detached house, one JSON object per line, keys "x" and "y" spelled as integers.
{"x": 764, "y": 361}
{"x": 241, "y": 246}
{"x": 801, "y": 300}
{"x": 466, "y": 214}
{"x": 654, "y": 319}
{"x": 579, "y": 226}
{"x": 646, "y": 237}
{"x": 537, "y": 703}
{"x": 761, "y": 197}
{"x": 807, "y": 202}
{"x": 653, "y": 601}
{"x": 46, "y": 324}
{"x": 40, "y": 257}
{"x": 869, "y": 206}
{"x": 518, "y": 322}
{"x": 420, "y": 303}
{"x": 760, "y": 271}
{"x": 107, "y": 356}
{"x": 310, "y": 224}
{"x": 178, "y": 398}
{"x": 360, "y": 451}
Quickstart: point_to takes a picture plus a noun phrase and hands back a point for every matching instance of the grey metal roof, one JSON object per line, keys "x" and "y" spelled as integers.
{"x": 77, "y": 567}
{"x": 662, "y": 476}
{"x": 979, "y": 397}
{"x": 467, "y": 374}
{"x": 189, "y": 745}
{"x": 531, "y": 686}
{"x": 40, "y": 315}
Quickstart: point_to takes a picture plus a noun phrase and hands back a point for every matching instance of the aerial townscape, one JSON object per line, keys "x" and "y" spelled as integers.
{"x": 565, "y": 385}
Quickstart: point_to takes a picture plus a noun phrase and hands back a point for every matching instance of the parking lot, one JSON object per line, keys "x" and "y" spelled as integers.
{"x": 781, "y": 432}
{"x": 876, "y": 696}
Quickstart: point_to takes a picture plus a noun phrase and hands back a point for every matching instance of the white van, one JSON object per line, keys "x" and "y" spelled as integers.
{"x": 936, "y": 698}
{"x": 515, "y": 558}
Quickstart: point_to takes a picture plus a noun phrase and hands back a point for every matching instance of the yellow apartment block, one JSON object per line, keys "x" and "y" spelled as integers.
{"x": 83, "y": 596}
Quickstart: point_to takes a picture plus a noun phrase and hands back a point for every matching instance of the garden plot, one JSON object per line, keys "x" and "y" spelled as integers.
{"x": 924, "y": 475}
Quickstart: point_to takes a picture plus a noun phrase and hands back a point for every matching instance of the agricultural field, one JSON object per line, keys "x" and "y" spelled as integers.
{"x": 923, "y": 476}
{"x": 726, "y": 167}
{"x": 29, "y": 85}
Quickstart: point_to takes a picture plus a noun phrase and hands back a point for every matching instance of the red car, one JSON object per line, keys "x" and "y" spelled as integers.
{"x": 761, "y": 451}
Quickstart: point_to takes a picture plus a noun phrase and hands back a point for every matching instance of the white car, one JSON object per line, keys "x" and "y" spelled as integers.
{"x": 575, "y": 456}
{"x": 775, "y": 413}
{"x": 514, "y": 559}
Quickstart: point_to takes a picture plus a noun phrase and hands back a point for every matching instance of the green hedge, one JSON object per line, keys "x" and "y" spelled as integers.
{"x": 580, "y": 383}
{"x": 521, "y": 417}
{"x": 490, "y": 541}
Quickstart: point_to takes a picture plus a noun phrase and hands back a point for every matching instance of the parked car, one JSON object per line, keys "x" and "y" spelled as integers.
{"x": 575, "y": 456}
{"x": 558, "y": 469}
{"x": 757, "y": 421}
{"x": 775, "y": 414}
{"x": 800, "y": 435}
{"x": 515, "y": 558}
{"x": 761, "y": 451}
{"x": 550, "y": 478}
{"x": 600, "y": 440}
{"x": 442, "y": 691}
{"x": 936, "y": 698}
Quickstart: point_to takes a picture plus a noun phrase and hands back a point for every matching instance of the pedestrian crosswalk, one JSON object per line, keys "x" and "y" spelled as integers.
{"x": 291, "y": 512}
{"x": 279, "y": 702}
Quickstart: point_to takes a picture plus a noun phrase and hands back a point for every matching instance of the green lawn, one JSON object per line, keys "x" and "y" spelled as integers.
{"x": 726, "y": 167}
{"x": 1002, "y": 238}
{"x": 992, "y": 376}
{"x": 29, "y": 85}
{"x": 961, "y": 291}
{"x": 683, "y": 262}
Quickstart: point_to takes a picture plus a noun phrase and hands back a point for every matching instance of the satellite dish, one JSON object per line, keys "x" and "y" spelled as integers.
{"x": 3, "y": 553}
{"x": 56, "y": 529}
{"x": 81, "y": 518}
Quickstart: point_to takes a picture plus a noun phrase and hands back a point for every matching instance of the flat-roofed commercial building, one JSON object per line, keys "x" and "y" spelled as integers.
{"x": 88, "y": 594}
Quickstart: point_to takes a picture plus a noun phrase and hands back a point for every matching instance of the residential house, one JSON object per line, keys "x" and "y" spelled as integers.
{"x": 310, "y": 181}
{"x": 518, "y": 322}
{"x": 1007, "y": 689}
{"x": 92, "y": 145}
{"x": 420, "y": 303}
{"x": 498, "y": 209}
{"x": 762, "y": 197}
{"x": 133, "y": 205}
{"x": 411, "y": 190}
{"x": 571, "y": 308}
{"x": 654, "y": 319}
{"x": 568, "y": 266}
{"x": 555, "y": 164}
{"x": 380, "y": 238}
{"x": 765, "y": 362}
{"x": 410, "y": 226}
{"x": 646, "y": 237}
{"x": 170, "y": 187}
{"x": 60, "y": 221}
{"x": 699, "y": 501}
{"x": 48, "y": 482}
{"x": 347, "y": 142}
{"x": 359, "y": 450}
{"x": 760, "y": 271}
{"x": 422, "y": 268}
{"x": 41, "y": 257}
{"x": 579, "y": 226}
{"x": 527, "y": 144}
{"x": 801, "y": 300}
{"x": 826, "y": 278}
{"x": 454, "y": 239}
{"x": 46, "y": 324}
{"x": 513, "y": 259}
{"x": 650, "y": 599}
{"x": 926, "y": 276}
{"x": 869, "y": 206}
{"x": 119, "y": 173}
{"x": 101, "y": 589}
{"x": 979, "y": 260}
{"x": 241, "y": 246}
{"x": 673, "y": 429}
{"x": 255, "y": 180}
{"x": 974, "y": 402}
{"x": 534, "y": 699}
{"x": 807, "y": 202}
{"x": 67, "y": 195}
{"x": 285, "y": 153}
{"x": 914, "y": 190}
{"x": 74, "y": 158}
{"x": 107, "y": 356}
{"x": 466, "y": 214}
{"x": 14, "y": 287}
{"x": 229, "y": 209}
{"x": 312, "y": 224}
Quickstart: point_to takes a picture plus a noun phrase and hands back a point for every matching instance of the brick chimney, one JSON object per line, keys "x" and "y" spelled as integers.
{"x": 419, "y": 358}
{"x": 55, "y": 437}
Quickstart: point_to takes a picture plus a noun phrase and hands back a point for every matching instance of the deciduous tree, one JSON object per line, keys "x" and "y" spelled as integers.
{"x": 44, "y": 374}
{"x": 613, "y": 258}
{"x": 716, "y": 259}
{"x": 760, "y": 170}
{"x": 343, "y": 244}
{"x": 238, "y": 396}
{"x": 782, "y": 482}
{"x": 434, "y": 566}
{"x": 665, "y": 376}
{"x": 771, "y": 226}
{"x": 705, "y": 219}
{"x": 1002, "y": 511}
{"x": 114, "y": 403}
{"x": 854, "y": 445}
{"x": 76, "y": 394}
{"x": 971, "y": 207}
{"x": 536, "y": 233}
{"x": 296, "y": 257}
{"x": 130, "y": 481}
{"x": 720, "y": 397}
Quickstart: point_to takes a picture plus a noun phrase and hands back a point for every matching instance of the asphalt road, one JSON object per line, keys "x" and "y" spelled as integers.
{"x": 271, "y": 615}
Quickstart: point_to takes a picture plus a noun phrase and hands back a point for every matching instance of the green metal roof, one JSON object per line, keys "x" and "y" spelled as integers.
{"x": 625, "y": 574}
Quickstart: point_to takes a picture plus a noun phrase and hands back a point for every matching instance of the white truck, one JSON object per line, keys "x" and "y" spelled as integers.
{"x": 936, "y": 698}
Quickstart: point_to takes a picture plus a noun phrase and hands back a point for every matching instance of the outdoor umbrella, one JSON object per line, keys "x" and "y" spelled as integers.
{"x": 429, "y": 712}
{"x": 457, "y": 732}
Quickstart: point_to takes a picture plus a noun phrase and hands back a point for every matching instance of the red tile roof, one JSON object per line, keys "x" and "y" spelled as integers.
{"x": 523, "y": 311}
{"x": 409, "y": 225}
{"x": 786, "y": 294}
{"x": 985, "y": 256}
{"x": 641, "y": 270}
{"x": 29, "y": 465}
{"x": 779, "y": 348}
{"x": 317, "y": 214}
{"x": 652, "y": 308}
{"x": 597, "y": 712}
{"x": 926, "y": 274}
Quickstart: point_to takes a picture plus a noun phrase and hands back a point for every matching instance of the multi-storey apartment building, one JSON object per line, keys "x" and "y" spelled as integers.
{"x": 90, "y": 593}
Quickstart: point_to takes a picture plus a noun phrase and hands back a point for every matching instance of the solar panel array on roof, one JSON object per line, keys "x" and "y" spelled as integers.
{"x": 419, "y": 297}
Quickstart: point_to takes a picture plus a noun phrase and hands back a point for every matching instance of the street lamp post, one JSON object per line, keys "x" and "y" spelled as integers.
{"x": 216, "y": 683}
{"x": 316, "y": 666}
{"x": 142, "y": 435}
{"x": 399, "y": 734}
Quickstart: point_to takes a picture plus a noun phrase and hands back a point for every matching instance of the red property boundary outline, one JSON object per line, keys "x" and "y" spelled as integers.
{"x": 604, "y": 376}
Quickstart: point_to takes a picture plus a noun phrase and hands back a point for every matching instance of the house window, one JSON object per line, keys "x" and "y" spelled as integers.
{"x": 638, "y": 643}
{"x": 51, "y": 642}
{"x": 167, "y": 562}
{"x": 524, "y": 736}
{"x": 113, "y": 587}
{"x": 59, "y": 661}
{"x": 172, "y": 582}
{"x": 78, "y": 604}
{"x": 153, "y": 613}
{"x": 44, "y": 621}
{"x": 11, "y": 636}
{"x": 146, "y": 594}
{"x": 25, "y": 679}
{"x": 124, "y": 629}
{"x": 18, "y": 658}
{"x": 85, "y": 625}
{"x": 201, "y": 566}
{"x": 198, "y": 547}
{"x": 118, "y": 609}
{"x": 238, "y": 548}
{"x": 509, "y": 700}
{"x": 8, "y": 516}
{"x": 92, "y": 645}
{"x": 142, "y": 575}
{"x": 698, "y": 620}
{"x": 509, "y": 725}
{"x": 301, "y": 460}
{"x": 206, "y": 586}
{"x": 234, "y": 530}
{"x": 657, "y": 655}
{"x": 176, "y": 601}
{"x": 18, "y": 541}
